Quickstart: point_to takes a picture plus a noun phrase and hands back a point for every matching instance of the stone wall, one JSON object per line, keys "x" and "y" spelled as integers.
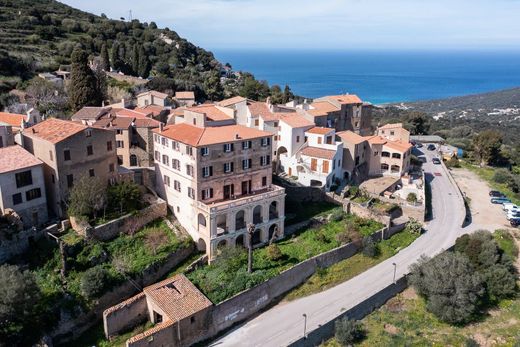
{"x": 125, "y": 315}
{"x": 20, "y": 241}
{"x": 364, "y": 212}
{"x": 68, "y": 329}
{"x": 326, "y": 331}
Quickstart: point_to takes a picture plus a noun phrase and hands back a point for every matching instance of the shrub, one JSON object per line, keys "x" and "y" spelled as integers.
{"x": 502, "y": 176}
{"x": 500, "y": 282}
{"x": 124, "y": 196}
{"x": 414, "y": 226}
{"x": 453, "y": 162}
{"x": 87, "y": 197}
{"x": 412, "y": 197}
{"x": 348, "y": 331}
{"x": 337, "y": 215}
{"x": 94, "y": 282}
{"x": 321, "y": 237}
{"x": 370, "y": 248}
{"x": 471, "y": 343}
{"x": 352, "y": 191}
{"x": 343, "y": 238}
{"x": 155, "y": 238}
{"x": 273, "y": 252}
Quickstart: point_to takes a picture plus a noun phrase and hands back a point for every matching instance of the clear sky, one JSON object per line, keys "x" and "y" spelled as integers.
{"x": 328, "y": 24}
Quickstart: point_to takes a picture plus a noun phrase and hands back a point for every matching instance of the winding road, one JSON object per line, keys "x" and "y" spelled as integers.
{"x": 283, "y": 324}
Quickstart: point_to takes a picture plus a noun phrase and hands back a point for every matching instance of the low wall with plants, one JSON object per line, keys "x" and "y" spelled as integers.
{"x": 17, "y": 242}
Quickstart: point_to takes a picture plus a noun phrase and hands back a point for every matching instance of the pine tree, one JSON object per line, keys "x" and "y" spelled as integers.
{"x": 105, "y": 60}
{"x": 84, "y": 89}
{"x": 144, "y": 63}
{"x": 287, "y": 94}
{"x": 212, "y": 87}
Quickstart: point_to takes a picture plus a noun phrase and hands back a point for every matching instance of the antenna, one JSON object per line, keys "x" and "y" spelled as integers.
{"x": 130, "y": 15}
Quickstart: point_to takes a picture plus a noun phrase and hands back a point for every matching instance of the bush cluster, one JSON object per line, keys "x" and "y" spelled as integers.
{"x": 347, "y": 331}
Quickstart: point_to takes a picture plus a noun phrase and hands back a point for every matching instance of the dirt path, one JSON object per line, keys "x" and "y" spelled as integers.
{"x": 484, "y": 213}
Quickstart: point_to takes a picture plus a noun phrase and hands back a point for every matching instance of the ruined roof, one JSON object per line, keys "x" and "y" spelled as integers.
{"x": 185, "y": 95}
{"x": 12, "y": 119}
{"x": 197, "y": 136}
{"x": 54, "y": 130}
{"x": 320, "y": 130}
{"x": 16, "y": 158}
{"x": 231, "y": 101}
{"x": 177, "y": 297}
{"x": 297, "y": 121}
{"x": 317, "y": 152}
{"x": 351, "y": 137}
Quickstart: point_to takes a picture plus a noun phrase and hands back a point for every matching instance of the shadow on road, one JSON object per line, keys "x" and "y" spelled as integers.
{"x": 428, "y": 178}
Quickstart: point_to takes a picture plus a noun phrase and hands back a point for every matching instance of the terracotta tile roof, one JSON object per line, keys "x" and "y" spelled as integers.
{"x": 154, "y": 110}
{"x": 12, "y": 119}
{"x": 320, "y": 130}
{"x": 398, "y": 145}
{"x": 376, "y": 140}
{"x": 154, "y": 93}
{"x": 351, "y": 137}
{"x": 146, "y": 123}
{"x": 277, "y": 116}
{"x": 177, "y": 297}
{"x": 125, "y": 112}
{"x": 179, "y": 111}
{"x": 158, "y": 327}
{"x": 211, "y": 111}
{"x": 391, "y": 126}
{"x": 317, "y": 152}
{"x": 321, "y": 108}
{"x": 297, "y": 121}
{"x": 114, "y": 123}
{"x": 122, "y": 304}
{"x": 185, "y": 95}
{"x": 196, "y": 136}
{"x": 54, "y": 130}
{"x": 91, "y": 113}
{"x": 346, "y": 99}
{"x": 231, "y": 101}
{"x": 259, "y": 109}
{"x": 16, "y": 158}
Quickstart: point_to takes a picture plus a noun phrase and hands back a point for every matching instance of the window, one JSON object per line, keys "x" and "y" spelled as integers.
{"x": 256, "y": 122}
{"x": 157, "y": 156}
{"x": 396, "y": 155}
{"x": 91, "y": 173}
{"x": 319, "y": 140}
{"x": 165, "y": 160}
{"x": 17, "y": 198}
{"x": 207, "y": 193}
{"x": 70, "y": 180}
{"x": 88, "y": 133}
{"x": 194, "y": 121}
{"x": 228, "y": 167}
{"x": 329, "y": 140}
{"x": 189, "y": 150}
{"x": 191, "y": 192}
{"x": 266, "y": 141}
{"x": 204, "y": 151}
{"x": 247, "y": 144}
{"x": 228, "y": 147}
{"x": 176, "y": 164}
{"x": 207, "y": 171}
{"x": 156, "y": 138}
{"x": 164, "y": 141}
{"x": 376, "y": 153}
{"x": 51, "y": 156}
{"x": 264, "y": 160}
{"x": 1, "y": 142}
{"x": 246, "y": 164}
{"x": 111, "y": 168}
{"x": 177, "y": 185}
{"x": 275, "y": 124}
{"x": 109, "y": 146}
{"x": 23, "y": 178}
{"x": 175, "y": 145}
{"x": 264, "y": 181}
{"x": 189, "y": 170}
{"x": 166, "y": 180}
{"x": 90, "y": 150}
{"x": 33, "y": 194}
{"x": 297, "y": 139}
{"x": 392, "y": 133}
{"x": 66, "y": 154}
{"x": 120, "y": 144}
{"x": 119, "y": 131}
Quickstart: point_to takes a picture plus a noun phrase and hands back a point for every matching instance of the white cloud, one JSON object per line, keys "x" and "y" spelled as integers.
{"x": 332, "y": 24}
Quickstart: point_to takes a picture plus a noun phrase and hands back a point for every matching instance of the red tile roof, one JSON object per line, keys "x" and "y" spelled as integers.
{"x": 146, "y": 123}
{"x": 211, "y": 111}
{"x": 54, "y": 130}
{"x": 297, "y": 121}
{"x": 16, "y": 158}
{"x": 177, "y": 297}
{"x": 185, "y": 95}
{"x": 231, "y": 101}
{"x": 114, "y": 123}
{"x": 195, "y": 136}
{"x": 125, "y": 112}
{"x": 376, "y": 140}
{"x": 154, "y": 110}
{"x": 346, "y": 99}
{"x": 351, "y": 137}
{"x": 91, "y": 113}
{"x": 317, "y": 152}
{"x": 398, "y": 145}
{"x": 259, "y": 109}
{"x": 12, "y": 119}
{"x": 321, "y": 108}
{"x": 391, "y": 126}
{"x": 320, "y": 130}
{"x": 154, "y": 93}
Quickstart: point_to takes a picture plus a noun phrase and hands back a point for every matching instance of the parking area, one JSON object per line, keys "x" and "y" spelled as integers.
{"x": 484, "y": 213}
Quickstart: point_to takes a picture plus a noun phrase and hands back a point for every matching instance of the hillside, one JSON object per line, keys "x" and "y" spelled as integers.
{"x": 40, "y": 35}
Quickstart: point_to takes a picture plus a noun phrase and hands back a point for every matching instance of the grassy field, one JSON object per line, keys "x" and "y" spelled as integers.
{"x": 404, "y": 320}
{"x": 296, "y": 212}
{"x": 351, "y": 267}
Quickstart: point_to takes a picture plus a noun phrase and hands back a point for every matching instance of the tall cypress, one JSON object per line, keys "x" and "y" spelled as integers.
{"x": 135, "y": 60}
{"x": 144, "y": 63}
{"x": 84, "y": 88}
{"x": 105, "y": 60}
{"x": 115, "y": 58}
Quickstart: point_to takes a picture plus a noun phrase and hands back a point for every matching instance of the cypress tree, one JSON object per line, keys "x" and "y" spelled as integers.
{"x": 83, "y": 90}
{"x": 144, "y": 63}
{"x": 135, "y": 60}
{"x": 115, "y": 58}
{"x": 105, "y": 60}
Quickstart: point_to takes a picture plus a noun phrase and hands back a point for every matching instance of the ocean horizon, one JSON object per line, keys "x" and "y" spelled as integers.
{"x": 381, "y": 76}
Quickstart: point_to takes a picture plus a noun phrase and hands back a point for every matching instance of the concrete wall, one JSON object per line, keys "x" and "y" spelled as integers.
{"x": 127, "y": 314}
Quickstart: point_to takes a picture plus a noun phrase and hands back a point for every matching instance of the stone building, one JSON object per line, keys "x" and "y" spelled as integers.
{"x": 70, "y": 150}
{"x": 6, "y": 135}
{"x": 22, "y": 186}
{"x": 216, "y": 177}
{"x": 152, "y": 97}
{"x": 185, "y": 98}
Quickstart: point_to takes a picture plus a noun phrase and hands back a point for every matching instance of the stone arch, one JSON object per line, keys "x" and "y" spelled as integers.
{"x": 257, "y": 214}
{"x": 222, "y": 226}
{"x": 201, "y": 245}
{"x": 257, "y": 237}
{"x": 384, "y": 167}
{"x": 240, "y": 241}
{"x": 133, "y": 160}
{"x": 201, "y": 221}
{"x": 240, "y": 220}
{"x": 272, "y": 230}
{"x": 395, "y": 168}
{"x": 273, "y": 210}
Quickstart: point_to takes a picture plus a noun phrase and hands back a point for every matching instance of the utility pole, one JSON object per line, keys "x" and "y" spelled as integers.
{"x": 305, "y": 326}
{"x": 395, "y": 269}
{"x": 250, "y": 232}
{"x": 130, "y": 15}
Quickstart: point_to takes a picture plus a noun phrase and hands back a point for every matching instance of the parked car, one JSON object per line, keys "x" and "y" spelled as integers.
{"x": 496, "y": 194}
{"x": 436, "y": 161}
{"x": 509, "y": 206}
{"x": 515, "y": 222}
{"x": 500, "y": 201}
{"x": 431, "y": 147}
{"x": 418, "y": 145}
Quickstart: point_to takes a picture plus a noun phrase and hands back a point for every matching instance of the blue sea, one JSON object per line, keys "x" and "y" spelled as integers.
{"x": 381, "y": 77}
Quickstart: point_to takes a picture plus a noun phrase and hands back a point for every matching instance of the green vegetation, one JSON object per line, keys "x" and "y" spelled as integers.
{"x": 348, "y": 331}
{"x": 228, "y": 275}
{"x": 353, "y": 266}
{"x": 85, "y": 87}
{"x": 296, "y": 212}
{"x": 96, "y": 337}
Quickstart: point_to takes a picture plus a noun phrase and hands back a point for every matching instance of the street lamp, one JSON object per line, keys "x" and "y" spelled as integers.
{"x": 304, "y": 326}
{"x": 395, "y": 269}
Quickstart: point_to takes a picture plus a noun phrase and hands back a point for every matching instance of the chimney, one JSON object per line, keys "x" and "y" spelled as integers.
{"x": 123, "y": 102}
{"x": 33, "y": 131}
{"x": 103, "y": 103}
{"x": 236, "y": 136}
{"x": 161, "y": 127}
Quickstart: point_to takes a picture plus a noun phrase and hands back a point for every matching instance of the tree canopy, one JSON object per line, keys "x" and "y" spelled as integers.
{"x": 84, "y": 89}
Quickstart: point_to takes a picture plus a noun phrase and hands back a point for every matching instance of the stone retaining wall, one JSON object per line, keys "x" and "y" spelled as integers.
{"x": 20, "y": 240}
{"x": 125, "y": 315}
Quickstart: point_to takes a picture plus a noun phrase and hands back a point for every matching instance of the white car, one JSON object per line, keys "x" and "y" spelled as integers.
{"x": 508, "y": 206}
{"x": 513, "y": 214}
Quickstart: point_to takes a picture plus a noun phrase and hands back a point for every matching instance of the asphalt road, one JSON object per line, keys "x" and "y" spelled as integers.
{"x": 283, "y": 324}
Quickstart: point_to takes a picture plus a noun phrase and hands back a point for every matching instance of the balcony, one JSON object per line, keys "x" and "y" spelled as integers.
{"x": 241, "y": 200}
